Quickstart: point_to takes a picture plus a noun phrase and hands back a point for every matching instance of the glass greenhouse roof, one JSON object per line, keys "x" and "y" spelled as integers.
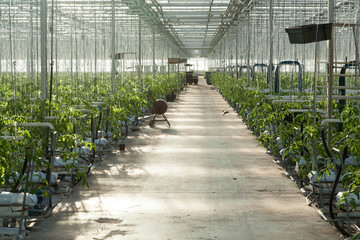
{"x": 190, "y": 24}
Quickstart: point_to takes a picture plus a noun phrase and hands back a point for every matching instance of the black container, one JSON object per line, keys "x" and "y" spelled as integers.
{"x": 309, "y": 33}
{"x": 208, "y": 78}
{"x": 189, "y": 77}
{"x": 170, "y": 97}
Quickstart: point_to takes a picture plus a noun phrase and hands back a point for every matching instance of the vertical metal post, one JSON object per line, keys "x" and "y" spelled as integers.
{"x": 331, "y": 65}
{"x": 237, "y": 52}
{"x": 315, "y": 165}
{"x": 113, "y": 47}
{"x": 154, "y": 55}
{"x": 43, "y": 43}
{"x": 248, "y": 47}
{"x": 356, "y": 37}
{"x": 140, "y": 56}
{"x": 230, "y": 56}
{"x": 56, "y": 58}
{"x": 316, "y": 74}
{"x": 76, "y": 60}
{"x": 123, "y": 69}
{"x": 271, "y": 45}
{"x": 11, "y": 47}
{"x": 224, "y": 56}
{"x": 104, "y": 53}
{"x": 51, "y": 51}
{"x": 95, "y": 51}
{"x": 71, "y": 55}
{"x": 178, "y": 77}
{"x": 330, "y": 80}
{"x": 219, "y": 56}
{"x": 168, "y": 55}
{"x": 27, "y": 60}
{"x": 84, "y": 56}
{"x": 331, "y": 12}
{"x": 162, "y": 56}
{"x": 168, "y": 70}
{"x": 76, "y": 64}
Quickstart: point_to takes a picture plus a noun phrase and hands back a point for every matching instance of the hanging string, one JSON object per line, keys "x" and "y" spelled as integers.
{"x": 31, "y": 49}
{"x": 51, "y": 54}
{"x": 95, "y": 49}
{"x": 56, "y": 55}
{"x": 11, "y": 54}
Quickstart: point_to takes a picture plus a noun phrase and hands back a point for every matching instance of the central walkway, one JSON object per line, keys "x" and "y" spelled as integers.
{"x": 205, "y": 177}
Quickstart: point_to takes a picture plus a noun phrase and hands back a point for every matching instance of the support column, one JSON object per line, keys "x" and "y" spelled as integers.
{"x": 11, "y": 48}
{"x": 331, "y": 15}
{"x": 84, "y": 56}
{"x": 178, "y": 77}
{"x": 71, "y": 54}
{"x": 154, "y": 55}
{"x": 140, "y": 56}
{"x": 331, "y": 65}
{"x": 356, "y": 36}
{"x": 162, "y": 56}
{"x": 76, "y": 64}
{"x": 271, "y": 45}
{"x": 56, "y": 60}
{"x": 237, "y": 51}
{"x": 248, "y": 48}
{"x": 331, "y": 56}
{"x": 51, "y": 51}
{"x": 27, "y": 60}
{"x": 224, "y": 56}
{"x": 43, "y": 42}
{"x": 113, "y": 47}
{"x": 95, "y": 51}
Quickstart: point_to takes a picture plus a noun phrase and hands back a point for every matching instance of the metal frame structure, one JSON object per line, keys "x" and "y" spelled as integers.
{"x": 84, "y": 30}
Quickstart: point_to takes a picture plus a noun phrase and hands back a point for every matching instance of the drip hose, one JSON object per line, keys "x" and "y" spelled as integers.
{"x": 305, "y": 149}
{"x": 14, "y": 188}
{"x": 332, "y": 195}
{"x": 324, "y": 142}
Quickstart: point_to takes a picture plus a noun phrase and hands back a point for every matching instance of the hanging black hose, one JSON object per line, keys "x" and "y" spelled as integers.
{"x": 324, "y": 143}
{"x": 333, "y": 191}
{"x": 25, "y": 165}
{"x": 304, "y": 148}
{"x": 107, "y": 121}
{"x": 93, "y": 141}
{"x": 48, "y": 175}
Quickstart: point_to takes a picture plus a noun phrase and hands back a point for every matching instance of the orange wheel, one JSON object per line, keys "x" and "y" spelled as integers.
{"x": 151, "y": 123}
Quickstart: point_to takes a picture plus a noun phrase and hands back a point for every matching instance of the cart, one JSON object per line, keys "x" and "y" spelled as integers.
{"x": 190, "y": 77}
{"x": 159, "y": 108}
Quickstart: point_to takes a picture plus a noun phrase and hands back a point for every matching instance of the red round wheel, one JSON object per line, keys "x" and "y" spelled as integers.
{"x": 160, "y": 106}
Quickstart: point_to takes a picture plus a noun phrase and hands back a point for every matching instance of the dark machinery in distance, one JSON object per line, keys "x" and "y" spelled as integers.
{"x": 191, "y": 77}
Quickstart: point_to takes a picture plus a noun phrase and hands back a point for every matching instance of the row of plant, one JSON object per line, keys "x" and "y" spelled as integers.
{"x": 293, "y": 130}
{"x": 109, "y": 108}
{"x": 287, "y": 81}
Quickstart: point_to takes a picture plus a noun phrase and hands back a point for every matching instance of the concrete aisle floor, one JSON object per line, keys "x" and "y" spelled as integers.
{"x": 203, "y": 178}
